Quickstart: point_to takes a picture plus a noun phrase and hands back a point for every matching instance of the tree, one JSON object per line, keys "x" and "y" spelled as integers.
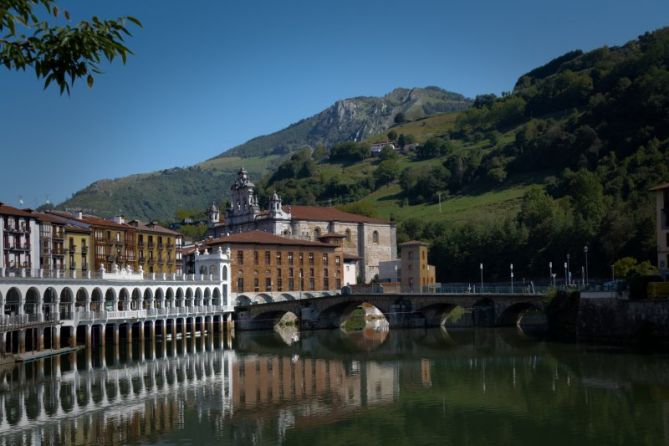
{"x": 388, "y": 153}
{"x": 392, "y": 135}
{"x": 386, "y": 172}
{"x": 58, "y": 53}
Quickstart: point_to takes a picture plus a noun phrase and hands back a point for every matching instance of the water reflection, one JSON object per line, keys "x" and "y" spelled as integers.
{"x": 412, "y": 386}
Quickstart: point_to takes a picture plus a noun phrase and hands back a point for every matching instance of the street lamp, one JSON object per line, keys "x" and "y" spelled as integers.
{"x": 550, "y": 271}
{"x": 587, "y": 276}
{"x": 511, "y": 278}
{"x": 568, "y": 270}
{"x": 566, "y": 279}
{"x": 553, "y": 277}
{"x": 481, "y": 268}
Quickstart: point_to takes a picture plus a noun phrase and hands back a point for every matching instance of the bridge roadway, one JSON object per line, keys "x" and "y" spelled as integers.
{"x": 401, "y": 310}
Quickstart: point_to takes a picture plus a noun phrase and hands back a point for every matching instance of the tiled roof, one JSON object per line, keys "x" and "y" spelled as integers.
{"x": 660, "y": 187}
{"x": 10, "y": 210}
{"x": 414, "y": 242}
{"x": 50, "y": 218}
{"x": 97, "y": 221}
{"x": 152, "y": 227}
{"x": 318, "y": 213}
{"x": 264, "y": 238}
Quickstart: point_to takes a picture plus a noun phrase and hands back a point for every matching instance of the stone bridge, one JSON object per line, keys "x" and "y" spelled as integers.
{"x": 400, "y": 310}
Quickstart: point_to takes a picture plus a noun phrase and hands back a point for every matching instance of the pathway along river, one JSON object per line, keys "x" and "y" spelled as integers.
{"x": 403, "y": 387}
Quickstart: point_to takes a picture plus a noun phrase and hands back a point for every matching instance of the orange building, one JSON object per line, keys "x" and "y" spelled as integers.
{"x": 263, "y": 262}
{"x": 416, "y": 273}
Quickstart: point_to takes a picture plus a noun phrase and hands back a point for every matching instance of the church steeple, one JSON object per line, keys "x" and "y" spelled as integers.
{"x": 214, "y": 215}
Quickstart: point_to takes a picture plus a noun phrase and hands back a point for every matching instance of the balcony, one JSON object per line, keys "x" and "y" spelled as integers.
{"x": 84, "y": 249}
{"x": 150, "y": 245}
{"x": 72, "y": 249}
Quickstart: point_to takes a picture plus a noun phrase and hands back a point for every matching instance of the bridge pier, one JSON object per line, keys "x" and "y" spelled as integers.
{"x": 22, "y": 341}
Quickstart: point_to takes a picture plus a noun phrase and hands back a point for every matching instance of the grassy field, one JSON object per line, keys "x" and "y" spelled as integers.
{"x": 423, "y": 129}
{"x": 482, "y": 207}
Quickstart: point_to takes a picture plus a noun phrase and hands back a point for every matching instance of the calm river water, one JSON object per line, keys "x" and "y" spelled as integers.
{"x": 403, "y": 387}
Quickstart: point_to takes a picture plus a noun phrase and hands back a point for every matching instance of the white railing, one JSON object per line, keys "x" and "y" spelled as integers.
{"x": 28, "y": 273}
{"x": 90, "y": 316}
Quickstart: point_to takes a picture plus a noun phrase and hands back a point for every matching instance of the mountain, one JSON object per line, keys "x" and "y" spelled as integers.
{"x": 353, "y": 119}
{"x": 157, "y": 195}
{"x": 563, "y": 162}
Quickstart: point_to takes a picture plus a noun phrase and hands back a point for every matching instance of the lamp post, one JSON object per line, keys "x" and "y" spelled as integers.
{"x": 568, "y": 269}
{"x": 481, "y": 268}
{"x": 550, "y": 271}
{"x": 583, "y": 277}
{"x": 553, "y": 277}
{"x": 566, "y": 278}
{"x": 587, "y": 276}
{"x": 511, "y": 278}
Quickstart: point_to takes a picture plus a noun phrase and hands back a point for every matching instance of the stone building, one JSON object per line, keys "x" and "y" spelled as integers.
{"x": 662, "y": 227}
{"x": 370, "y": 240}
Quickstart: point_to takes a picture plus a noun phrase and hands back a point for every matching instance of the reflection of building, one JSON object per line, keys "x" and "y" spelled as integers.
{"x": 372, "y": 240}
{"x": 259, "y": 381}
{"x": 662, "y": 226}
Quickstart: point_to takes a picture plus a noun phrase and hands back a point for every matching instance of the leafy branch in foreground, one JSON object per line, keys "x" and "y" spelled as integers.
{"x": 58, "y": 53}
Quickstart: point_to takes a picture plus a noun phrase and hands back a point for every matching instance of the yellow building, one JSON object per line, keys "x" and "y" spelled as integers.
{"x": 156, "y": 247}
{"x": 415, "y": 273}
{"x": 78, "y": 249}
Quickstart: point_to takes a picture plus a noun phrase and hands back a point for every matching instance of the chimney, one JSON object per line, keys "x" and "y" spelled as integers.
{"x": 119, "y": 219}
{"x": 79, "y": 215}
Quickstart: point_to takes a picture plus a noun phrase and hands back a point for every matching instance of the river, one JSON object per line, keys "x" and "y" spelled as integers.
{"x": 398, "y": 387}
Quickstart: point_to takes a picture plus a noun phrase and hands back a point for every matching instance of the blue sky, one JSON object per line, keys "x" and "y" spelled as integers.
{"x": 208, "y": 75}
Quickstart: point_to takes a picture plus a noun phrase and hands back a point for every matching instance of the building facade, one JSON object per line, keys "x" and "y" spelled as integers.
{"x": 370, "y": 240}
{"x": 19, "y": 239}
{"x": 267, "y": 263}
{"x": 662, "y": 227}
{"x": 156, "y": 248}
{"x": 415, "y": 272}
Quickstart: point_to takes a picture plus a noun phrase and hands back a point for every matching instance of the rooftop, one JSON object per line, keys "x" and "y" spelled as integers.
{"x": 318, "y": 213}
{"x": 10, "y": 210}
{"x": 264, "y": 238}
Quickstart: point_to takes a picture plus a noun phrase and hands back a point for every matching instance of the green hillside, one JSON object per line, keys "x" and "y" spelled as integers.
{"x": 563, "y": 161}
{"x": 158, "y": 195}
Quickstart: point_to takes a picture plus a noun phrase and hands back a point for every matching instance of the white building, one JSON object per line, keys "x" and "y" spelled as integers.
{"x": 19, "y": 241}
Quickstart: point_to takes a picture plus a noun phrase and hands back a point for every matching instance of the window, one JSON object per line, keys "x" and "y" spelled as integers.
{"x": 290, "y": 258}
{"x": 311, "y": 258}
{"x": 301, "y": 257}
{"x": 325, "y": 259}
{"x": 291, "y": 284}
{"x": 279, "y": 284}
{"x": 311, "y": 272}
{"x": 317, "y": 232}
{"x": 326, "y": 273}
{"x": 268, "y": 284}
{"x": 326, "y": 283}
{"x": 240, "y": 257}
{"x": 255, "y": 257}
{"x": 240, "y": 284}
{"x": 267, "y": 258}
{"x": 278, "y": 258}
{"x": 348, "y": 235}
{"x": 337, "y": 261}
{"x": 375, "y": 237}
{"x": 256, "y": 284}
{"x": 410, "y": 255}
{"x": 291, "y": 272}
{"x": 312, "y": 284}
{"x": 338, "y": 283}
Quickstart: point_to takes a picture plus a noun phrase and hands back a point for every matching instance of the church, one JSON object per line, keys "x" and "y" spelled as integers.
{"x": 366, "y": 240}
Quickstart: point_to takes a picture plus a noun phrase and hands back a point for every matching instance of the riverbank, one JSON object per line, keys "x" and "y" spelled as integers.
{"x": 609, "y": 320}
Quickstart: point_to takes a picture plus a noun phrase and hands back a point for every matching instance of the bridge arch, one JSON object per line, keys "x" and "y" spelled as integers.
{"x": 243, "y": 300}
{"x": 514, "y": 313}
{"x": 440, "y": 314}
{"x": 335, "y": 315}
{"x": 287, "y": 296}
{"x": 263, "y": 298}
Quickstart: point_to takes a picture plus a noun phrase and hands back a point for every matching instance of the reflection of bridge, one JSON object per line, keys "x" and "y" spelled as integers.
{"x": 401, "y": 310}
